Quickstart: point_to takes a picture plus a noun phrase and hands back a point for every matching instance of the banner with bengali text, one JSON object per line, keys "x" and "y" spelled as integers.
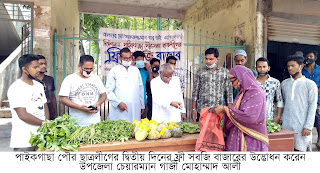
{"x": 155, "y": 44}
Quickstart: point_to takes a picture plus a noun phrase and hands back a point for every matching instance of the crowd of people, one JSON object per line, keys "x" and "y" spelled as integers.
{"x": 137, "y": 89}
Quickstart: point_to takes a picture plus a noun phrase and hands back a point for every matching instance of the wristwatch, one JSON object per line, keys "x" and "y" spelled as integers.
{"x": 193, "y": 109}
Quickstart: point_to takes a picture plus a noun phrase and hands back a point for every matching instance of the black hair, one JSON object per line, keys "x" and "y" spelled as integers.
{"x": 26, "y": 59}
{"x": 136, "y": 54}
{"x": 213, "y": 51}
{"x": 315, "y": 53}
{"x": 124, "y": 50}
{"x": 170, "y": 57}
{"x": 153, "y": 60}
{"x": 41, "y": 57}
{"x": 85, "y": 58}
{"x": 297, "y": 58}
{"x": 262, "y": 59}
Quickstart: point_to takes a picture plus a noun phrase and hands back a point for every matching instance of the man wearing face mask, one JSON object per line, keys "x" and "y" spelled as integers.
{"x": 125, "y": 90}
{"x": 167, "y": 105}
{"x": 28, "y": 104}
{"x": 211, "y": 85}
{"x": 83, "y": 92}
{"x": 271, "y": 87}
{"x": 300, "y": 97}
{"x": 49, "y": 88}
{"x": 145, "y": 71}
{"x": 312, "y": 71}
{"x": 155, "y": 66}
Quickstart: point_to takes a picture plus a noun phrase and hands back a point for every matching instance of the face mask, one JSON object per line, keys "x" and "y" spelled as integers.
{"x": 31, "y": 77}
{"x": 140, "y": 64}
{"x": 211, "y": 66}
{"x": 86, "y": 73}
{"x": 263, "y": 74}
{"x": 126, "y": 63}
{"x": 296, "y": 74}
{"x": 308, "y": 61}
{"x": 155, "y": 69}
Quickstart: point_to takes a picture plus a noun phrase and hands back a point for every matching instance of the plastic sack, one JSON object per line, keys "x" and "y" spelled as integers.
{"x": 161, "y": 126}
{"x": 153, "y": 124}
{"x": 141, "y": 135}
{"x": 176, "y": 132}
{"x": 211, "y": 135}
{"x": 165, "y": 133}
{"x": 172, "y": 125}
{"x": 154, "y": 134}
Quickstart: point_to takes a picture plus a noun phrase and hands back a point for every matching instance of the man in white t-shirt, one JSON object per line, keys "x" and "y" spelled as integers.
{"x": 83, "y": 92}
{"x": 28, "y": 104}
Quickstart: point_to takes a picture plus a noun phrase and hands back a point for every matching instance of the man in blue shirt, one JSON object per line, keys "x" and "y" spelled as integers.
{"x": 145, "y": 72}
{"x": 312, "y": 71}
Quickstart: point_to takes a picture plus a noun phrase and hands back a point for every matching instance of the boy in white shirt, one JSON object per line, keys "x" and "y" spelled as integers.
{"x": 83, "y": 92}
{"x": 28, "y": 104}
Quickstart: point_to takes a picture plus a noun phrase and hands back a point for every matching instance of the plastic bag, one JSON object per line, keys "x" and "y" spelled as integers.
{"x": 176, "y": 132}
{"x": 165, "y": 133}
{"x": 153, "y": 124}
{"x": 211, "y": 135}
{"x": 141, "y": 134}
{"x": 154, "y": 134}
{"x": 161, "y": 126}
{"x": 172, "y": 125}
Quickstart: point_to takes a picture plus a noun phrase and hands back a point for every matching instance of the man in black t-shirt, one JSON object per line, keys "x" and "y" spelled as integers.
{"x": 49, "y": 88}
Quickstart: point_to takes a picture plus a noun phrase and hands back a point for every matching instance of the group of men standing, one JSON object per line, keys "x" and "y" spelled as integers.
{"x": 133, "y": 86}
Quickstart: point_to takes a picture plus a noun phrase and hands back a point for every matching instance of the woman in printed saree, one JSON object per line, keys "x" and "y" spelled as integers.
{"x": 245, "y": 121}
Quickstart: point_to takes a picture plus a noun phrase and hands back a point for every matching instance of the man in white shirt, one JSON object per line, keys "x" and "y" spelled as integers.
{"x": 167, "y": 100}
{"x": 125, "y": 90}
{"x": 83, "y": 92}
{"x": 28, "y": 104}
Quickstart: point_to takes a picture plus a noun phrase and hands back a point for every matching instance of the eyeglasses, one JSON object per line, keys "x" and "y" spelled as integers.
{"x": 126, "y": 58}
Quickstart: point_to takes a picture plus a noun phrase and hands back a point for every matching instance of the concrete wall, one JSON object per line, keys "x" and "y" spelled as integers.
{"x": 221, "y": 17}
{"x": 59, "y": 16}
{"x": 65, "y": 17}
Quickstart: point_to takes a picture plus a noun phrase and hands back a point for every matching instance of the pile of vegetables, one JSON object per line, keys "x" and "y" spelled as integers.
{"x": 64, "y": 133}
{"x": 103, "y": 132}
{"x": 189, "y": 127}
{"x": 153, "y": 130}
{"x": 273, "y": 127}
{"x": 55, "y": 134}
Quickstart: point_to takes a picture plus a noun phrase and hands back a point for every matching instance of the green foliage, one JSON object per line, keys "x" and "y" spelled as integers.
{"x": 55, "y": 134}
{"x": 189, "y": 127}
{"x": 273, "y": 127}
{"x": 103, "y": 132}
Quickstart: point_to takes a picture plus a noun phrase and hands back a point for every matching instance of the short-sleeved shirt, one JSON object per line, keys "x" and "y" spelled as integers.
{"x": 272, "y": 89}
{"x": 314, "y": 76}
{"x": 83, "y": 91}
{"x": 32, "y": 98}
{"x": 144, "y": 76}
{"x": 48, "y": 86}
